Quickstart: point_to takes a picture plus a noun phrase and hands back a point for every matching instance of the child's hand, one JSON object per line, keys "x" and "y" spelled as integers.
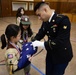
{"x": 30, "y": 58}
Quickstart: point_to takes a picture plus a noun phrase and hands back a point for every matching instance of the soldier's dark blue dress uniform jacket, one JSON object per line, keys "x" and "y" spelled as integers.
{"x": 58, "y": 46}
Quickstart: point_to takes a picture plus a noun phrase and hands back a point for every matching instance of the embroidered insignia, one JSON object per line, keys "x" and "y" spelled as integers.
{"x": 54, "y": 26}
{"x": 64, "y": 27}
{"x": 59, "y": 16}
{"x": 10, "y": 56}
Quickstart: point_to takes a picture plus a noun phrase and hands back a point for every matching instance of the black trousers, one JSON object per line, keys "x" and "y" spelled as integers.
{"x": 55, "y": 69}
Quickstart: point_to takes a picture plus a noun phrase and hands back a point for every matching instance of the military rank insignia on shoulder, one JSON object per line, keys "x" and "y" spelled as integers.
{"x": 59, "y": 15}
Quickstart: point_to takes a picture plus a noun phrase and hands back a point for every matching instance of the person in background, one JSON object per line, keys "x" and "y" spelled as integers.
{"x": 26, "y": 31}
{"x": 14, "y": 56}
{"x": 58, "y": 46}
{"x": 20, "y": 12}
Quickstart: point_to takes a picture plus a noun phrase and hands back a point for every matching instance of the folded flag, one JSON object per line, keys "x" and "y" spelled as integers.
{"x": 27, "y": 51}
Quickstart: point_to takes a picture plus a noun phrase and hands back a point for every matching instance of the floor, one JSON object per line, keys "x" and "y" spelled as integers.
{"x": 38, "y": 62}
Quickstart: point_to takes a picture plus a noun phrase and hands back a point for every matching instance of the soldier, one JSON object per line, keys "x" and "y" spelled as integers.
{"x": 16, "y": 58}
{"x": 57, "y": 28}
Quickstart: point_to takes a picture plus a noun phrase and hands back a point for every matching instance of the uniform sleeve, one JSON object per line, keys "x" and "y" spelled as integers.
{"x": 12, "y": 57}
{"x": 41, "y": 32}
{"x": 63, "y": 35}
{"x": 32, "y": 37}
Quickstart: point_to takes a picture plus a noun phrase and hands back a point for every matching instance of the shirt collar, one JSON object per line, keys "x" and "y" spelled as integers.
{"x": 51, "y": 16}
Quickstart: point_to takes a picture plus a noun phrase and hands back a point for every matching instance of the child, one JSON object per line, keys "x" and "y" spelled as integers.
{"x": 26, "y": 33}
{"x": 18, "y": 58}
{"x": 20, "y": 12}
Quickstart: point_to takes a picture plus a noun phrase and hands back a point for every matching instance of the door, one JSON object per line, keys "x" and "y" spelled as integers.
{"x": 6, "y": 8}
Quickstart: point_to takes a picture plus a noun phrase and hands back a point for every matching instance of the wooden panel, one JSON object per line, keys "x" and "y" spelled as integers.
{"x": 74, "y": 18}
{"x": 6, "y": 8}
{"x": 68, "y": 7}
{"x": 26, "y": 13}
{"x": 37, "y": 0}
{"x": 0, "y": 8}
{"x": 71, "y": 0}
{"x": 69, "y": 15}
{"x": 55, "y": 5}
{"x": 57, "y": 0}
{"x": 52, "y": 0}
{"x": 22, "y": 0}
{"x": 63, "y": 0}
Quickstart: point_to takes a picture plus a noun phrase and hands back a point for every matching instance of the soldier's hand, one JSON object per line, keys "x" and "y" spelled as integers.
{"x": 38, "y": 44}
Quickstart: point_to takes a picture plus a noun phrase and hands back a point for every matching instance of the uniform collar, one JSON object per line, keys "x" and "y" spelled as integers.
{"x": 51, "y": 16}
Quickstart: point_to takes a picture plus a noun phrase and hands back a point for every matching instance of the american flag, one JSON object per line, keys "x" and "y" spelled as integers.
{"x": 27, "y": 51}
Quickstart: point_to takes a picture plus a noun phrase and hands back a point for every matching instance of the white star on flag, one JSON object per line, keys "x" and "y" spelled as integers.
{"x": 26, "y": 45}
{"x": 28, "y": 55}
{"x": 27, "y": 48}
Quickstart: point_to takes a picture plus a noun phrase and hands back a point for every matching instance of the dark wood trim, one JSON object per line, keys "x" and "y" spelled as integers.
{"x": 60, "y": 7}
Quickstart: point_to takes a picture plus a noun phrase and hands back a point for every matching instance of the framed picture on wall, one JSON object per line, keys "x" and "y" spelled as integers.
{"x": 16, "y": 5}
{"x": 31, "y": 6}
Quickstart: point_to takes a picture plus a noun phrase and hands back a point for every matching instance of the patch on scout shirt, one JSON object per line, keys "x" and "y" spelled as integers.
{"x": 10, "y": 56}
{"x": 64, "y": 27}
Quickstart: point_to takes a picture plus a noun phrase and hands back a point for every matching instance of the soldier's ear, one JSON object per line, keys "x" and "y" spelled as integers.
{"x": 45, "y": 9}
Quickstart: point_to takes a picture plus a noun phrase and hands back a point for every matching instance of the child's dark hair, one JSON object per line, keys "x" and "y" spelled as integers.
{"x": 19, "y": 12}
{"x": 29, "y": 30}
{"x": 11, "y": 30}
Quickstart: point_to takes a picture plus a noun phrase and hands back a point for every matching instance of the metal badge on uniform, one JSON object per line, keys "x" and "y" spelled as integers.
{"x": 54, "y": 27}
{"x": 10, "y": 56}
{"x": 53, "y": 20}
{"x": 64, "y": 27}
{"x": 54, "y": 30}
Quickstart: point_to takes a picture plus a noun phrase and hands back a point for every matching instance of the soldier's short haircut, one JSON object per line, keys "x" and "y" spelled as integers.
{"x": 38, "y": 5}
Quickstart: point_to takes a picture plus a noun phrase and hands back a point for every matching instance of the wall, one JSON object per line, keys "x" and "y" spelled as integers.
{"x": 5, "y": 8}
{"x": 0, "y": 8}
{"x": 61, "y": 6}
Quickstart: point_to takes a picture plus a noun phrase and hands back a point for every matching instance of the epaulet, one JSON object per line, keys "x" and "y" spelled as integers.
{"x": 60, "y": 15}
{"x": 59, "y": 18}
